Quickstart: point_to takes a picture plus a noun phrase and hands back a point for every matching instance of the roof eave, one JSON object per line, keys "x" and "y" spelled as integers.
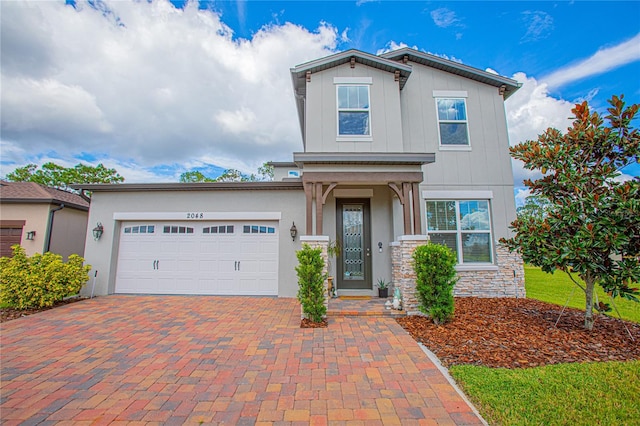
{"x": 195, "y": 186}
{"x": 511, "y": 86}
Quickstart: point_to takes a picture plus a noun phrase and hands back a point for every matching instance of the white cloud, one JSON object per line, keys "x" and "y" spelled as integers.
{"x": 539, "y": 25}
{"x": 444, "y": 17}
{"x": 145, "y": 83}
{"x": 530, "y": 111}
{"x": 521, "y": 195}
{"x": 602, "y": 61}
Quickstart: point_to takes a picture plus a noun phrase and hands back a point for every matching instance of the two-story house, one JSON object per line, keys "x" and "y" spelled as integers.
{"x": 397, "y": 149}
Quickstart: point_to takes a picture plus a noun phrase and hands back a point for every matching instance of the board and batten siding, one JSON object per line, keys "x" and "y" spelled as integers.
{"x": 321, "y": 112}
{"x": 488, "y": 161}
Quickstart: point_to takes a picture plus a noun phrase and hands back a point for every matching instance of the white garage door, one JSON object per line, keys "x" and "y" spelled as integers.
{"x": 217, "y": 258}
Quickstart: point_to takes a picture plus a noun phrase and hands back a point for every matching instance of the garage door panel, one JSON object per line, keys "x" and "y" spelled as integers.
{"x": 184, "y": 258}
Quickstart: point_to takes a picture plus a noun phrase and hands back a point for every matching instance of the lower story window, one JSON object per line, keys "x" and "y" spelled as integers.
{"x": 463, "y": 226}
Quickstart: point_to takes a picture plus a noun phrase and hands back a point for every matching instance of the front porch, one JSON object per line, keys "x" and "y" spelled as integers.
{"x": 361, "y": 306}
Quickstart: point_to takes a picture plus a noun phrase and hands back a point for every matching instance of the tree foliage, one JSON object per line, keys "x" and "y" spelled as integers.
{"x": 590, "y": 222}
{"x": 57, "y": 176}
{"x": 265, "y": 173}
{"x": 435, "y": 267}
{"x": 311, "y": 290}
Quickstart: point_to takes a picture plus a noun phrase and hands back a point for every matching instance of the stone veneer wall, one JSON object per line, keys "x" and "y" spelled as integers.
{"x": 506, "y": 281}
{"x": 500, "y": 282}
{"x": 322, "y": 241}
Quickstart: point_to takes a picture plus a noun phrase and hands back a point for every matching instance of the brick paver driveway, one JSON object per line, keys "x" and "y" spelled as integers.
{"x": 216, "y": 360}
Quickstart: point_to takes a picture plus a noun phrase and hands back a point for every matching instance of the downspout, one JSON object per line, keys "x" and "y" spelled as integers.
{"x": 50, "y": 227}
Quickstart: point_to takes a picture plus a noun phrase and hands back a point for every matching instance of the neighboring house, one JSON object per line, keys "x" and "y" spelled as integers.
{"x": 41, "y": 219}
{"x": 395, "y": 147}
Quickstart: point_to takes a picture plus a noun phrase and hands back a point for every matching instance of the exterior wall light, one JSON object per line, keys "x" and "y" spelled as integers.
{"x": 31, "y": 235}
{"x": 293, "y": 231}
{"x": 97, "y": 231}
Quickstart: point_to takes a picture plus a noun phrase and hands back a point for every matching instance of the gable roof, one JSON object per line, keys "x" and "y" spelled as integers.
{"x": 299, "y": 72}
{"x": 31, "y": 192}
{"x": 391, "y": 62}
{"x": 454, "y": 68}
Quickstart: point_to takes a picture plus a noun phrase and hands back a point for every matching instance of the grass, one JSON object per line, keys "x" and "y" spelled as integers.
{"x": 566, "y": 394}
{"x": 556, "y": 288}
{"x": 569, "y": 394}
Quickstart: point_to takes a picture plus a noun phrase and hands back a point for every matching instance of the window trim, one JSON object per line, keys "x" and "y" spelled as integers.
{"x": 452, "y": 95}
{"x": 353, "y": 82}
{"x": 461, "y": 265}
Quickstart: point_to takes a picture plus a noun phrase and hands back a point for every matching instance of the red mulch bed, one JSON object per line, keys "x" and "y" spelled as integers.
{"x": 8, "y": 314}
{"x": 307, "y": 323}
{"x": 518, "y": 333}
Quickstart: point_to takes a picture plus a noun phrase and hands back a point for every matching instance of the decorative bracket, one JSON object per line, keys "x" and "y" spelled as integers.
{"x": 502, "y": 89}
{"x": 308, "y": 75}
{"x": 352, "y": 62}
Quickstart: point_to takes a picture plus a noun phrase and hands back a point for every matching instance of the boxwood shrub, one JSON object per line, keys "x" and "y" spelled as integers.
{"x": 435, "y": 277}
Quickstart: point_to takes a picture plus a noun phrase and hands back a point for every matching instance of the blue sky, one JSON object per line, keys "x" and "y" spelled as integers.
{"x": 157, "y": 88}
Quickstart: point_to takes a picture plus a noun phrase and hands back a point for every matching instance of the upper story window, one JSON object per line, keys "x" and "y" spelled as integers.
{"x": 353, "y": 108}
{"x": 353, "y": 111}
{"x": 453, "y": 126}
{"x": 462, "y": 225}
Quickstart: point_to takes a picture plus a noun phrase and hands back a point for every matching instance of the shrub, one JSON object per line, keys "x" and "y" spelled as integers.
{"x": 311, "y": 282}
{"x": 40, "y": 280}
{"x": 435, "y": 277}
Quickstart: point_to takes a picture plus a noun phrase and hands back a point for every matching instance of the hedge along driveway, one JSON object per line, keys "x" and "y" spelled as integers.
{"x": 234, "y": 360}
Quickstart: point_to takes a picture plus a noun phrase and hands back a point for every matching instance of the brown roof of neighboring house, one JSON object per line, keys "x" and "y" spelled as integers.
{"x": 30, "y": 192}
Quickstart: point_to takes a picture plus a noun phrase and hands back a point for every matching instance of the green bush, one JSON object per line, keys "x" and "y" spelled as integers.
{"x": 40, "y": 280}
{"x": 435, "y": 277}
{"x": 311, "y": 282}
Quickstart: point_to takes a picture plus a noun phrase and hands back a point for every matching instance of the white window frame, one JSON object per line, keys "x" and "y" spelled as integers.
{"x": 459, "y": 231}
{"x": 452, "y": 95}
{"x": 353, "y": 82}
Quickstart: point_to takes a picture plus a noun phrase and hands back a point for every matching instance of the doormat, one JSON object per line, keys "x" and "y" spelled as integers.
{"x": 355, "y": 297}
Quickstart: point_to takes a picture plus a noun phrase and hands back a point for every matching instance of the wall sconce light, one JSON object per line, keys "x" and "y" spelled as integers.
{"x": 97, "y": 231}
{"x": 31, "y": 235}
{"x": 293, "y": 231}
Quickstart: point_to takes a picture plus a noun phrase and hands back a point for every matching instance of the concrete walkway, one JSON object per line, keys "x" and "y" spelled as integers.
{"x": 216, "y": 360}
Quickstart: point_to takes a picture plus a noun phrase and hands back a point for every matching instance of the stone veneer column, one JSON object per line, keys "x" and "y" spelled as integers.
{"x": 403, "y": 273}
{"x": 322, "y": 241}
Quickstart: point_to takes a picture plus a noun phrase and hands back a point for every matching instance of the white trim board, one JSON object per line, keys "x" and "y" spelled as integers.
{"x": 457, "y": 195}
{"x": 450, "y": 94}
{"x": 197, "y": 216}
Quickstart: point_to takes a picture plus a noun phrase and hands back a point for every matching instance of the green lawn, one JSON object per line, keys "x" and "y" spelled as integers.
{"x": 604, "y": 393}
{"x": 567, "y": 394}
{"x": 556, "y": 288}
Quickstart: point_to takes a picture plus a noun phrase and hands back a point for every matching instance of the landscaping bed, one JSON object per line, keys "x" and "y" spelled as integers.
{"x": 8, "y": 314}
{"x": 518, "y": 333}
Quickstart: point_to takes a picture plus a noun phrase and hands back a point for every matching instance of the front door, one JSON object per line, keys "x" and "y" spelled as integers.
{"x": 354, "y": 262}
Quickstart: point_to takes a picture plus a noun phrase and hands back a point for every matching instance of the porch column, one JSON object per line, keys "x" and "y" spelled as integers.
{"x": 308, "y": 193}
{"x": 417, "y": 219}
{"x": 319, "y": 205}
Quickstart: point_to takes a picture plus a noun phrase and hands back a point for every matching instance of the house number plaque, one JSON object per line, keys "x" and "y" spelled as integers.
{"x": 195, "y": 215}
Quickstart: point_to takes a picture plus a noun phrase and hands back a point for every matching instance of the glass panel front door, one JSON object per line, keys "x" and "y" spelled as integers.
{"x": 354, "y": 262}
{"x": 353, "y": 258}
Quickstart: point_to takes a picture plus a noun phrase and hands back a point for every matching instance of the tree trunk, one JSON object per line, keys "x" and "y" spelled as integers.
{"x": 588, "y": 312}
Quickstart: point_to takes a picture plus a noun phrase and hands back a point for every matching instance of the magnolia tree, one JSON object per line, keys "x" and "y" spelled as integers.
{"x": 589, "y": 225}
